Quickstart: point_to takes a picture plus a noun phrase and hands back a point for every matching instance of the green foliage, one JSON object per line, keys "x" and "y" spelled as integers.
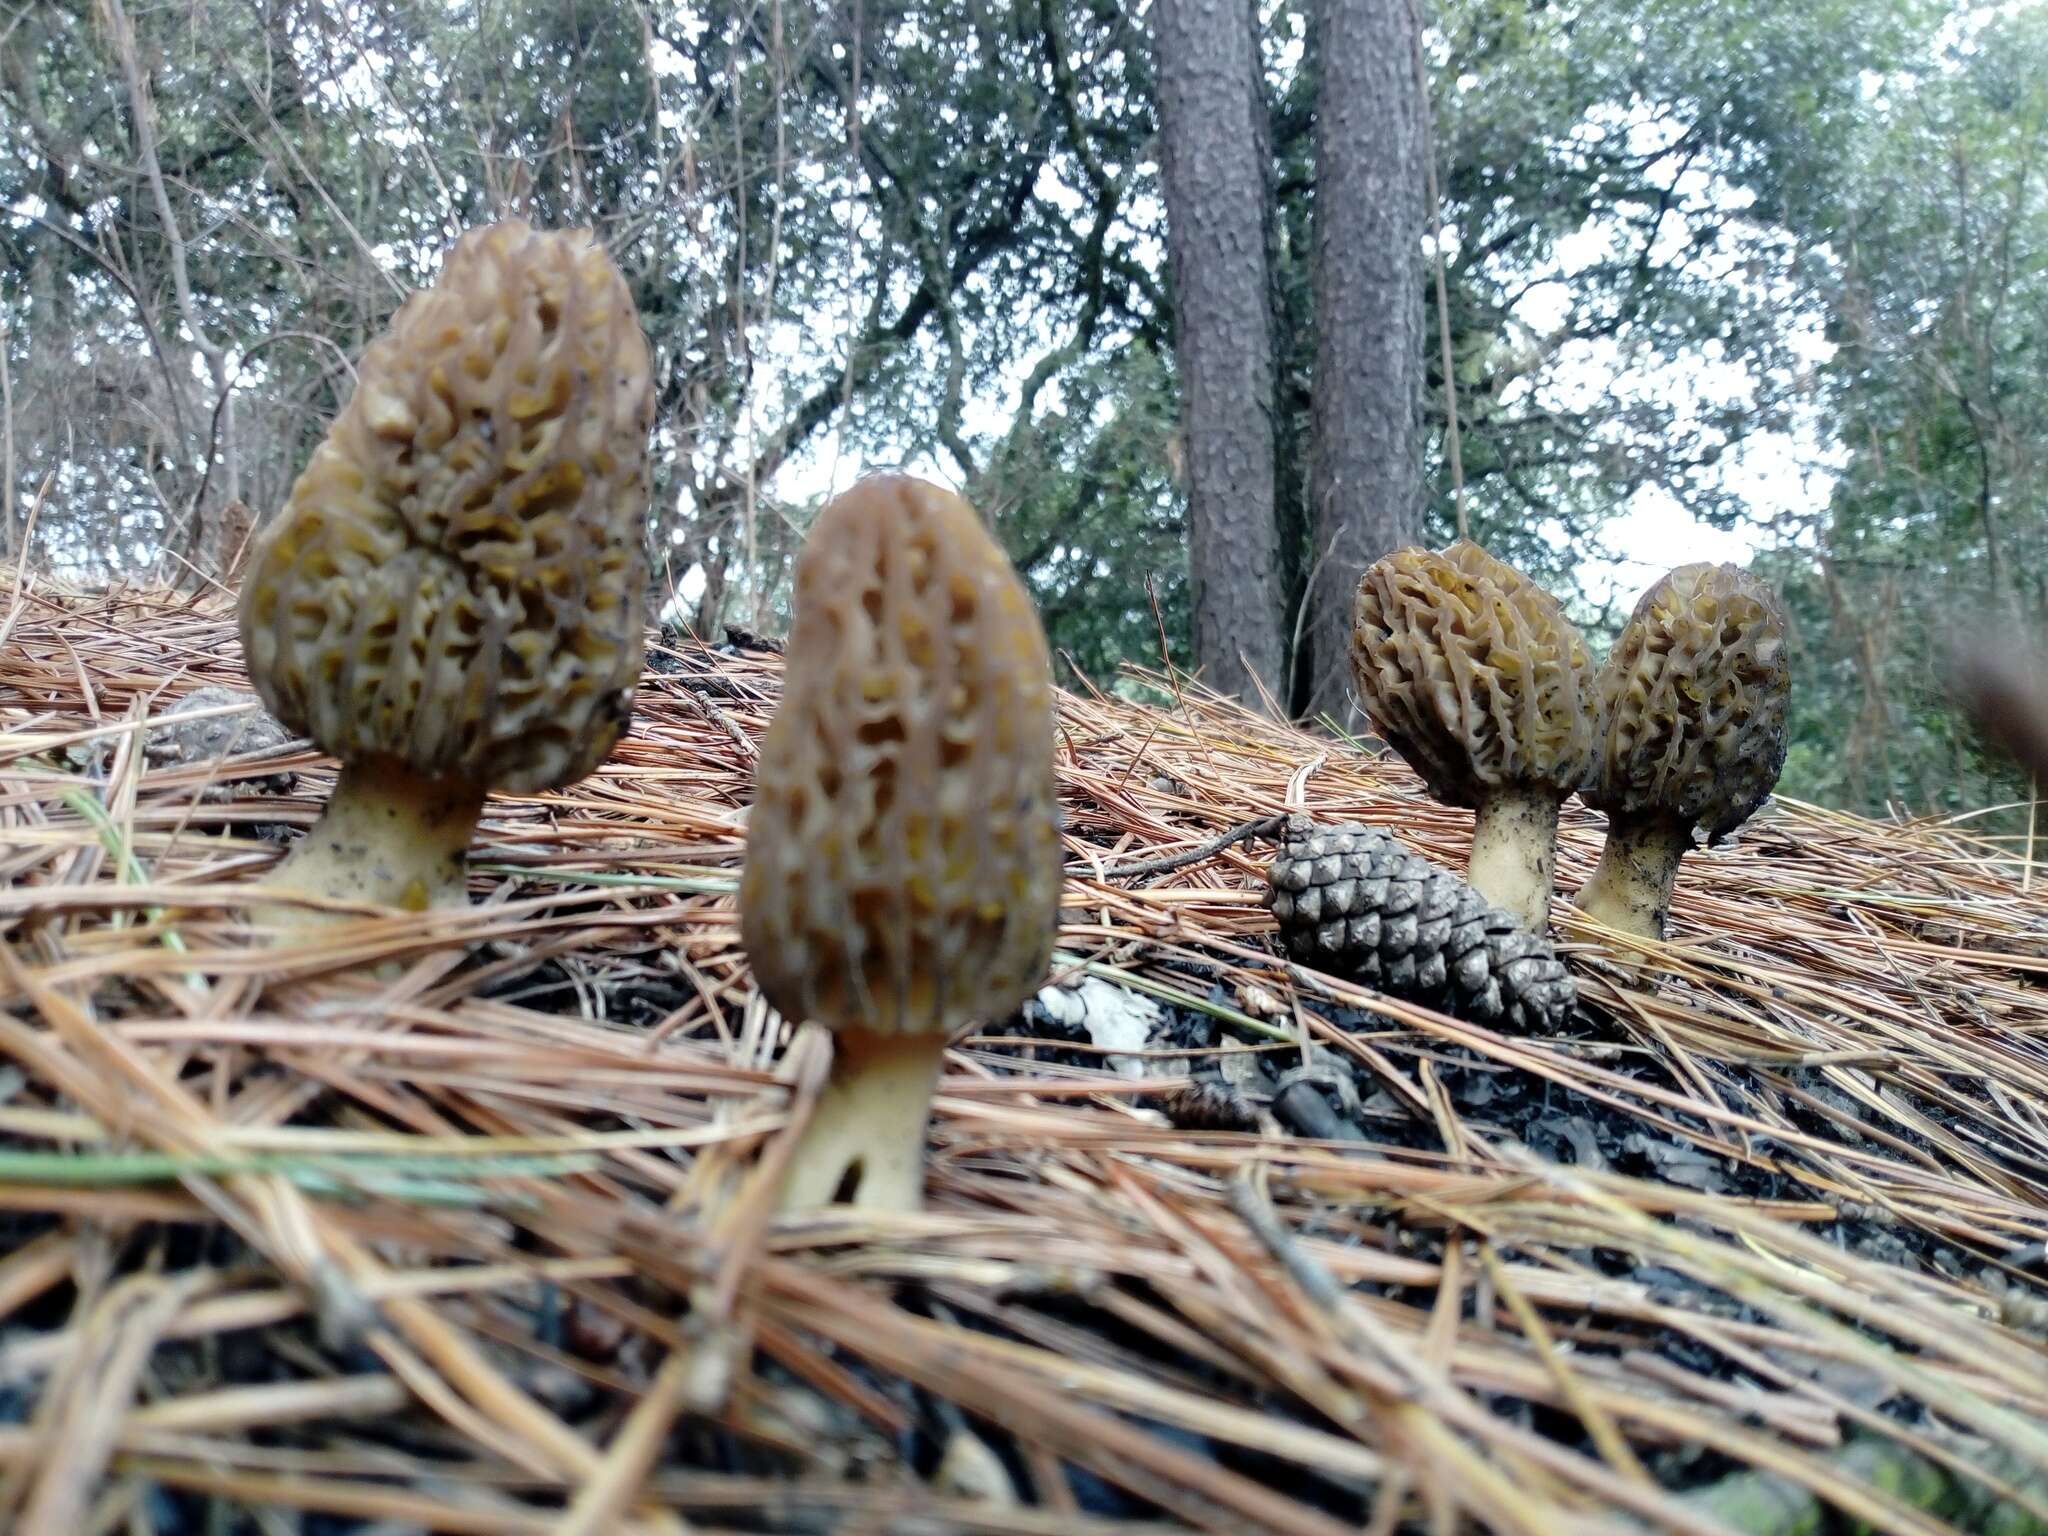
{"x": 1091, "y": 514}
{"x": 933, "y": 235}
{"x": 1618, "y": 178}
{"x": 1934, "y": 282}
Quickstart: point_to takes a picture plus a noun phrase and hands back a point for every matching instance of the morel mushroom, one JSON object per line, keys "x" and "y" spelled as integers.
{"x": 1474, "y": 675}
{"x": 1353, "y": 900}
{"x": 451, "y": 602}
{"x": 903, "y": 863}
{"x": 1692, "y": 702}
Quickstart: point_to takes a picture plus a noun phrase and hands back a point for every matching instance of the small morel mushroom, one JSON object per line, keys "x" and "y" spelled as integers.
{"x": 451, "y": 602}
{"x": 1353, "y": 900}
{"x": 174, "y": 741}
{"x": 1474, "y": 675}
{"x": 903, "y": 861}
{"x": 1692, "y": 703}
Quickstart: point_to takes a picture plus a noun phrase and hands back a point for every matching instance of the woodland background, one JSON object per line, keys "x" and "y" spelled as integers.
{"x": 1776, "y": 266}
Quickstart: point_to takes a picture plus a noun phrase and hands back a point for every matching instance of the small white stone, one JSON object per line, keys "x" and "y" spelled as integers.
{"x": 1118, "y": 1020}
{"x": 1061, "y": 1005}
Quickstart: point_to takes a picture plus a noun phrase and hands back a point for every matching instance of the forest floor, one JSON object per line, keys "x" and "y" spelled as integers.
{"x": 455, "y": 1222}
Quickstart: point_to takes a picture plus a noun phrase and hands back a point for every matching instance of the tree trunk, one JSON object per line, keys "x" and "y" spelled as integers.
{"x": 1365, "y": 475}
{"x": 222, "y": 548}
{"x": 1212, "y": 116}
{"x": 715, "y": 555}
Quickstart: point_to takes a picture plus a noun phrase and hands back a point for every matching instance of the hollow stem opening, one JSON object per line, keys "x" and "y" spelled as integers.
{"x": 864, "y": 1145}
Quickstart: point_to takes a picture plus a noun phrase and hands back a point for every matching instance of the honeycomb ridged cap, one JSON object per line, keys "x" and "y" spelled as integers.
{"x": 458, "y": 579}
{"x": 903, "y": 863}
{"x": 1472, "y": 673}
{"x": 1693, "y": 700}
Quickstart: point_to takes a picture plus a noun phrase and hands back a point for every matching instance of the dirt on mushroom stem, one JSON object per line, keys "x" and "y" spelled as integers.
{"x": 389, "y": 836}
{"x": 1630, "y": 890}
{"x": 1514, "y": 852}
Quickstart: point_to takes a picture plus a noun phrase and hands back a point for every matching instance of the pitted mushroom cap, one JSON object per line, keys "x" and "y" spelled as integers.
{"x": 457, "y": 580}
{"x": 1693, "y": 698}
{"x": 1472, "y": 673}
{"x": 903, "y": 862}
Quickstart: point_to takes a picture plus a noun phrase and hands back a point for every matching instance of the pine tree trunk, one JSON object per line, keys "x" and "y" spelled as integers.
{"x": 1212, "y": 119}
{"x": 1365, "y": 477}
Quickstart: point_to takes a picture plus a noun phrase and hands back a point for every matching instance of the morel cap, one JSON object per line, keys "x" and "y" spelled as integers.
{"x": 903, "y": 864}
{"x": 1474, "y": 675}
{"x": 456, "y": 583}
{"x": 1693, "y": 697}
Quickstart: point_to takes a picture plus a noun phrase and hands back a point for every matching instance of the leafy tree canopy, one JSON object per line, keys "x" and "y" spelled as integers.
{"x": 912, "y": 233}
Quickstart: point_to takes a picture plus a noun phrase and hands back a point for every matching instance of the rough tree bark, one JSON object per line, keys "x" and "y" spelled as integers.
{"x": 1212, "y": 117}
{"x": 1365, "y": 468}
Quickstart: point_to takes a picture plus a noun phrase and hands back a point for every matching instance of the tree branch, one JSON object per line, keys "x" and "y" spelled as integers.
{"x": 123, "y": 35}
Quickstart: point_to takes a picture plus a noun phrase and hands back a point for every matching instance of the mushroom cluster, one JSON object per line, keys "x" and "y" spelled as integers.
{"x": 1473, "y": 674}
{"x": 1692, "y": 705}
{"x": 903, "y": 861}
{"x": 452, "y": 600}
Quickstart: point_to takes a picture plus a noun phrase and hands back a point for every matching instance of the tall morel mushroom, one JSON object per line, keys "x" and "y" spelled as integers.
{"x": 452, "y": 600}
{"x": 1474, "y": 675}
{"x": 903, "y": 862}
{"x": 1692, "y": 702}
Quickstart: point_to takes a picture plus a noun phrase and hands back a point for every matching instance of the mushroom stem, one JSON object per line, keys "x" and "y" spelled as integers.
{"x": 388, "y": 837}
{"x": 1631, "y": 890}
{"x": 1514, "y": 852}
{"x": 864, "y": 1145}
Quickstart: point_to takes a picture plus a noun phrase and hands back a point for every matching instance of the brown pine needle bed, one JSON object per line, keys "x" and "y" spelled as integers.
{"x": 1759, "y": 1244}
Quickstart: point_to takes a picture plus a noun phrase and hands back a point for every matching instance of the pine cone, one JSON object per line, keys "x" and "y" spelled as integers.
{"x": 1353, "y": 900}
